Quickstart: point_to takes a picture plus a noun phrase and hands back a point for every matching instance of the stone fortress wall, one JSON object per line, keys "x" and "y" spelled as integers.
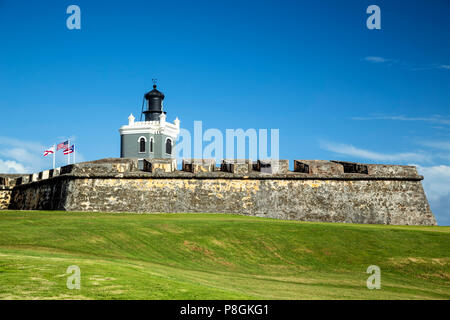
{"x": 326, "y": 191}
{"x": 7, "y": 183}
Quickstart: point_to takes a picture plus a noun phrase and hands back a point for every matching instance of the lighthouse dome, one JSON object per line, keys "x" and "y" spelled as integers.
{"x": 155, "y": 93}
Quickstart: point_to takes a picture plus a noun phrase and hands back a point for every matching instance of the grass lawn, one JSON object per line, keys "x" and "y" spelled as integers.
{"x": 216, "y": 256}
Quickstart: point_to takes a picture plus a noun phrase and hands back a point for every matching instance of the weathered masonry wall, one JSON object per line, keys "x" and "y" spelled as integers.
{"x": 380, "y": 195}
{"x": 7, "y": 183}
{"x": 5, "y": 197}
{"x": 357, "y": 201}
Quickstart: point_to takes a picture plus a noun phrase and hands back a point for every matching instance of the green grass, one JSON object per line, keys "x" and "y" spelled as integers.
{"x": 216, "y": 256}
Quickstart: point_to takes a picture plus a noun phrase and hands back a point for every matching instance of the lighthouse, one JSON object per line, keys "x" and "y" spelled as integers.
{"x": 153, "y": 138}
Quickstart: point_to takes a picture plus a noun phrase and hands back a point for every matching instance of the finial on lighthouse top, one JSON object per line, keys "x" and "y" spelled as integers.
{"x": 154, "y": 80}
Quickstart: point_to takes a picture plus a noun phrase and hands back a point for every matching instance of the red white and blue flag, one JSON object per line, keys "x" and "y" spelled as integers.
{"x": 49, "y": 151}
{"x": 63, "y": 145}
{"x": 69, "y": 150}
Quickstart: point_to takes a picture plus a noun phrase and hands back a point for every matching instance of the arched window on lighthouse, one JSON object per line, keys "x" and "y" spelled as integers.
{"x": 151, "y": 144}
{"x": 142, "y": 144}
{"x": 169, "y": 146}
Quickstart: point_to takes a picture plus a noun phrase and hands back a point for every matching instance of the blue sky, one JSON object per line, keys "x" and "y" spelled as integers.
{"x": 312, "y": 69}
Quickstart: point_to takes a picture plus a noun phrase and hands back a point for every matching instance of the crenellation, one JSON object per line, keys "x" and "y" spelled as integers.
{"x": 43, "y": 175}
{"x": 54, "y": 172}
{"x": 160, "y": 165}
{"x": 108, "y": 165}
{"x": 391, "y": 171}
{"x": 22, "y": 180}
{"x": 237, "y": 166}
{"x": 199, "y": 165}
{"x": 353, "y": 167}
{"x": 231, "y": 168}
{"x": 271, "y": 166}
{"x": 318, "y": 167}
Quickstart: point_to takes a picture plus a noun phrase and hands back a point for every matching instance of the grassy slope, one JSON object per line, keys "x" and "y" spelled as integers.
{"x": 204, "y": 256}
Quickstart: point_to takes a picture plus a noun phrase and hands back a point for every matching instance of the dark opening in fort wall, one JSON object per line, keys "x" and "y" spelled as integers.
{"x": 379, "y": 194}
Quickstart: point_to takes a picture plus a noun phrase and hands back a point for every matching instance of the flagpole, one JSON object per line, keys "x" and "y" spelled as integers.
{"x": 68, "y": 156}
{"x": 74, "y": 155}
{"x": 54, "y": 155}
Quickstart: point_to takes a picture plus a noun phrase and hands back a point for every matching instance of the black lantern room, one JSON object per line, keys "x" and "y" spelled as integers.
{"x": 154, "y": 104}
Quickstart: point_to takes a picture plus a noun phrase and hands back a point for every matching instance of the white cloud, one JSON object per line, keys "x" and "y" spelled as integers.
{"x": 440, "y": 208}
{"x": 433, "y": 119}
{"x": 381, "y": 60}
{"x": 27, "y": 156}
{"x": 436, "y": 184}
{"x": 442, "y": 145}
{"x": 441, "y": 149}
{"x": 21, "y": 154}
{"x": 349, "y": 150}
{"x": 11, "y": 167}
{"x": 437, "y": 180}
{"x": 375, "y": 59}
{"x": 30, "y": 145}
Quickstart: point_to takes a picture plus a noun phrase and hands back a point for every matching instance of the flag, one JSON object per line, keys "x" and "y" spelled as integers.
{"x": 48, "y": 151}
{"x": 69, "y": 150}
{"x": 63, "y": 145}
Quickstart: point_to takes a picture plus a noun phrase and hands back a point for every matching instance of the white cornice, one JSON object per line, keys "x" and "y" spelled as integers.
{"x": 153, "y": 127}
